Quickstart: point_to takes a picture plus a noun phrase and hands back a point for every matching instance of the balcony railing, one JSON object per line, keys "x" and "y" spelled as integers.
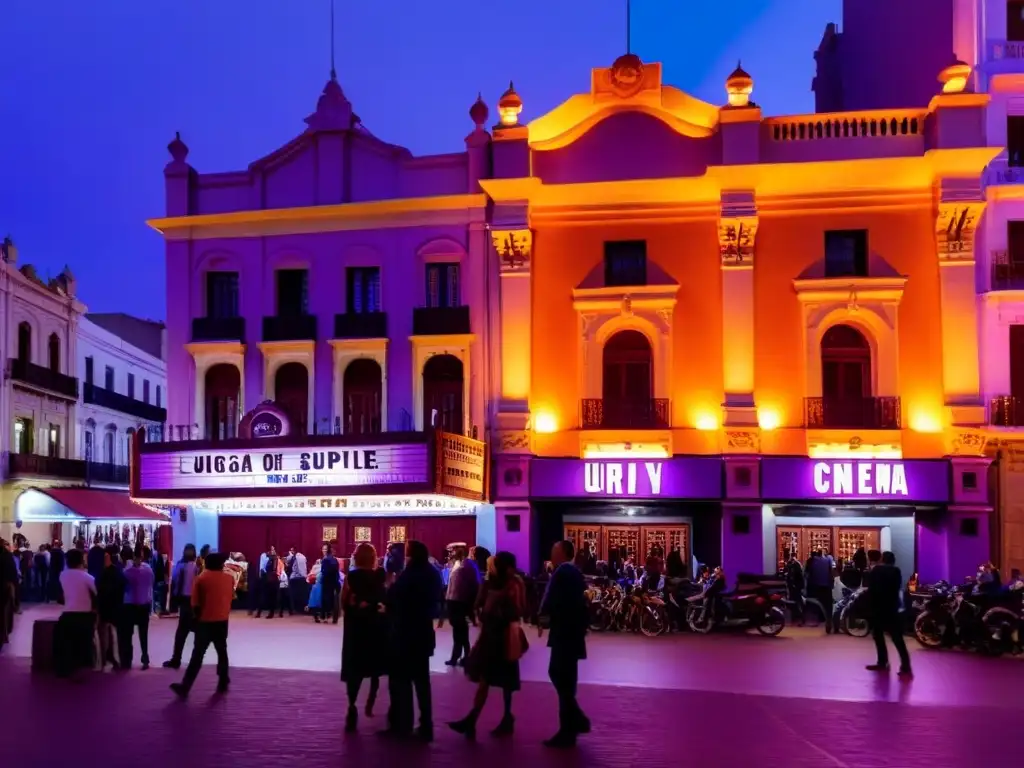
{"x": 1007, "y": 275}
{"x": 106, "y": 398}
{"x": 1006, "y": 411}
{"x": 1001, "y": 172}
{"x": 1006, "y": 49}
{"x": 440, "y": 321}
{"x": 115, "y": 474}
{"x": 289, "y": 328}
{"x": 44, "y": 378}
{"x": 361, "y": 325}
{"x": 853, "y": 413}
{"x": 29, "y": 464}
{"x": 598, "y": 413}
{"x": 218, "y": 329}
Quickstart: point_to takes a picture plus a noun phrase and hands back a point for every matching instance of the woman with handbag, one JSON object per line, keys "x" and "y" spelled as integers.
{"x": 494, "y": 658}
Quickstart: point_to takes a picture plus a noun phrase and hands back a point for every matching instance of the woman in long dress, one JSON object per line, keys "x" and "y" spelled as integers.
{"x": 494, "y": 659}
{"x": 364, "y": 642}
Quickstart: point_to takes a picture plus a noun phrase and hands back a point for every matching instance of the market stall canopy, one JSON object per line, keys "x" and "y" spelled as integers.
{"x": 59, "y": 505}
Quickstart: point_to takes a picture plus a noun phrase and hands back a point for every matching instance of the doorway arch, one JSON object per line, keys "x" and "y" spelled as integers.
{"x": 291, "y": 393}
{"x": 223, "y": 384}
{"x": 363, "y": 382}
{"x": 443, "y": 391}
{"x": 627, "y": 381}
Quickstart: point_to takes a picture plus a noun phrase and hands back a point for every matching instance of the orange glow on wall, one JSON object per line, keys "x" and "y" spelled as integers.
{"x": 925, "y": 421}
{"x": 768, "y": 418}
{"x": 545, "y": 422}
{"x": 705, "y": 421}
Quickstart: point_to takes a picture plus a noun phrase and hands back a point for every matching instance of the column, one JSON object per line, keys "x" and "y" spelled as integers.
{"x": 737, "y": 231}
{"x": 742, "y": 540}
{"x": 960, "y": 207}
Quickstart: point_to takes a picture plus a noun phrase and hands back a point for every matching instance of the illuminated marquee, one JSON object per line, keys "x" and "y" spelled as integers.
{"x": 848, "y": 478}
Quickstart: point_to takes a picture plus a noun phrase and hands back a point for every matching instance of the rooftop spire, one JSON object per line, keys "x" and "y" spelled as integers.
{"x": 334, "y": 73}
{"x": 628, "y": 36}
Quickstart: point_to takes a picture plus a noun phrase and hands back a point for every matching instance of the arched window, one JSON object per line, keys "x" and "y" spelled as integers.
{"x": 846, "y": 388}
{"x": 627, "y": 383}
{"x": 24, "y": 342}
{"x": 442, "y": 392}
{"x": 53, "y": 353}
{"x": 291, "y": 392}
{"x": 88, "y": 441}
{"x": 223, "y": 386}
{"x": 108, "y": 444}
{"x": 363, "y": 385}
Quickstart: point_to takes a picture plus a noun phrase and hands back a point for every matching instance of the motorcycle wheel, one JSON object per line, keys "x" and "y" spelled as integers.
{"x": 1001, "y": 626}
{"x": 854, "y": 625}
{"x": 774, "y": 622}
{"x": 699, "y": 620}
{"x": 652, "y": 622}
{"x": 598, "y": 622}
{"x": 928, "y": 630}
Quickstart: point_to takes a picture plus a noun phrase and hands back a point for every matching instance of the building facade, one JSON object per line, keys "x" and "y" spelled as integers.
{"x": 341, "y": 278}
{"x": 738, "y": 335}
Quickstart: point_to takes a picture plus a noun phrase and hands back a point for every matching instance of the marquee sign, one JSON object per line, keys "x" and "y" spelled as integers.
{"x": 679, "y": 478}
{"x": 338, "y": 507}
{"x": 462, "y": 466}
{"x": 299, "y": 468}
{"x": 896, "y": 480}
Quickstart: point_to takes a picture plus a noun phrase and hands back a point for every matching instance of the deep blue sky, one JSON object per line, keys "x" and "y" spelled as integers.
{"x": 91, "y": 91}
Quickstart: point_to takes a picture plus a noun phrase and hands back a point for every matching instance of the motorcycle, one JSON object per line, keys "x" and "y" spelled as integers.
{"x": 760, "y": 609}
{"x": 850, "y": 615}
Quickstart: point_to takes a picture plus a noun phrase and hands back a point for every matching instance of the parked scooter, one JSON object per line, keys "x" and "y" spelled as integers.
{"x": 760, "y": 609}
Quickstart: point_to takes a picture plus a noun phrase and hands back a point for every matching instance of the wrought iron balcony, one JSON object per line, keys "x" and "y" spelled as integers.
{"x": 22, "y": 464}
{"x": 598, "y": 413}
{"x": 853, "y": 413}
{"x": 115, "y": 474}
{"x": 1006, "y": 411}
{"x": 106, "y": 398}
{"x": 43, "y": 378}
{"x": 440, "y": 321}
{"x": 218, "y": 329}
{"x": 1007, "y": 275}
{"x": 289, "y": 328}
{"x": 361, "y": 325}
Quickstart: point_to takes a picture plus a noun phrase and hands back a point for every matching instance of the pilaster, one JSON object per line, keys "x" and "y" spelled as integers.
{"x": 737, "y": 235}
{"x": 512, "y": 242}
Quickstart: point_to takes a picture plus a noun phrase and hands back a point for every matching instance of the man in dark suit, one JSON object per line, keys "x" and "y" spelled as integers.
{"x": 884, "y": 582}
{"x": 565, "y": 603}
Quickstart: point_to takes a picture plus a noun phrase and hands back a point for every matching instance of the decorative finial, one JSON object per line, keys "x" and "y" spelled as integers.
{"x": 509, "y": 107}
{"x": 178, "y": 148}
{"x": 956, "y": 77}
{"x": 334, "y": 73}
{"x": 479, "y": 112}
{"x": 739, "y": 85}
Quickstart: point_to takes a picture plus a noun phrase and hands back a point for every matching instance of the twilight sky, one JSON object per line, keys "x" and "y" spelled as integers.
{"x": 91, "y": 91}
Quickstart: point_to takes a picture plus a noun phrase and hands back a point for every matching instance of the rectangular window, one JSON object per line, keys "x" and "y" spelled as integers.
{"x": 443, "y": 285}
{"x": 88, "y": 449}
{"x": 108, "y": 378}
{"x": 846, "y": 253}
{"x": 221, "y": 294}
{"x": 88, "y": 370}
{"x": 145, "y": 390}
{"x": 1015, "y": 140}
{"x": 23, "y": 435}
{"x": 159, "y": 397}
{"x": 363, "y": 289}
{"x": 131, "y": 385}
{"x": 1015, "y": 20}
{"x": 53, "y": 441}
{"x": 292, "y": 292}
{"x": 625, "y": 263}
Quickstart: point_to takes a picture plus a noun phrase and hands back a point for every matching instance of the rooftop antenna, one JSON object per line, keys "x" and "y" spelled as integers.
{"x": 628, "y": 47}
{"x": 334, "y": 73}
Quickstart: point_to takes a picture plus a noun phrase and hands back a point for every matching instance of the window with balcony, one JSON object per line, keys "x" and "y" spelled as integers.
{"x": 625, "y": 263}
{"x": 292, "y": 292}
{"x": 223, "y": 385}
{"x": 131, "y": 385}
{"x": 108, "y": 378}
{"x": 53, "y": 353}
{"x": 24, "y": 342}
{"x": 846, "y": 253}
{"x": 627, "y": 387}
{"x": 291, "y": 393}
{"x": 443, "y": 285}
{"x": 362, "y": 290}
{"x": 1007, "y": 410}
{"x": 89, "y": 370}
{"x": 222, "y": 295}
{"x": 1015, "y": 140}
{"x": 442, "y": 393}
{"x": 363, "y": 387}
{"x": 145, "y": 390}
{"x": 22, "y": 436}
{"x": 1015, "y": 20}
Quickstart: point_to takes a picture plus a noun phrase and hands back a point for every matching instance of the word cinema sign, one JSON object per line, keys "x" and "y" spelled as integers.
{"x": 910, "y": 481}
{"x": 299, "y": 468}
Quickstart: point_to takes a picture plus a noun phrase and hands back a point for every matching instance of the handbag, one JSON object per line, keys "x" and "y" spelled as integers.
{"x": 516, "y": 643}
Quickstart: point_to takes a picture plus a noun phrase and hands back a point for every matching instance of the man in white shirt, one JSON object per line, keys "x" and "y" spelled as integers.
{"x": 296, "y": 571}
{"x": 73, "y": 637}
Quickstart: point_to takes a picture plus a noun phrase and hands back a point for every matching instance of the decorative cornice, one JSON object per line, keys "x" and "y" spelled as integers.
{"x": 514, "y": 442}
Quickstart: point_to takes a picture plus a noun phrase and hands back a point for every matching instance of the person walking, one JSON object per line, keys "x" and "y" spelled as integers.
{"x": 413, "y": 605}
{"x": 212, "y": 594}
{"x": 158, "y": 565}
{"x": 110, "y": 588}
{"x": 793, "y": 573}
{"x": 364, "y": 642}
{"x": 463, "y": 586}
{"x": 73, "y": 635}
{"x": 41, "y": 565}
{"x": 494, "y": 659}
{"x": 330, "y": 583}
{"x": 138, "y": 603}
{"x": 8, "y": 591}
{"x": 56, "y": 563}
{"x": 820, "y": 583}
{"x": 884, "y": 582}
{"x": 295, "y": 572}
{"x": 565, "y": 604}
{"x": 272, "y": 585}
{"x": 182, "y": 578}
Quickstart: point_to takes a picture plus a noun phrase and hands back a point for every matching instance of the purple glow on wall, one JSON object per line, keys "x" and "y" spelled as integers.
{"x": 786, "y": 479}
{"x": 675, "y": 478}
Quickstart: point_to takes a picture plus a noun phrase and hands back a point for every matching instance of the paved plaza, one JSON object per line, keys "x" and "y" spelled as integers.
{"x": 802, "y": 699}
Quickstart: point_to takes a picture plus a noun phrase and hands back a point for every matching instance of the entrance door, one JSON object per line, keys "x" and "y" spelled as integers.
{"x": 817, "y": 538}
{"x": 623, "y": 537}
{"x": 788, "y": 539}
{"x": 667, "y": 537}
{"x": 585, "y": 534}
{"x": 849, "y": 540}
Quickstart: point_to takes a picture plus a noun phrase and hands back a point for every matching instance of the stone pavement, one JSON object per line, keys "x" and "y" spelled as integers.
{"x": 725, "y": 700}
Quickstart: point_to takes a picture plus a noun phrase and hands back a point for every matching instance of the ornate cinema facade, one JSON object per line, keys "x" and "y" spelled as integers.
{"x": 738, "y": 334}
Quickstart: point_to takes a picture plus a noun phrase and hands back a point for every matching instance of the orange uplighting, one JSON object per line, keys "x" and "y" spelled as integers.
{"x": 706, "y": 421}
{"x": 545, "y": 422}
{"x": 768, "y": 419}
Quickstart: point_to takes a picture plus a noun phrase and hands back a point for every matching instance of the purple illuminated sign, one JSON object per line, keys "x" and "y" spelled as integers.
{"x": 799, "y": 479}
{"x": 676, "y": 478}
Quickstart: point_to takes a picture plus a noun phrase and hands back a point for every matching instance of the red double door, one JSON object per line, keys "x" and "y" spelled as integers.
{"x": 254, "y": 535}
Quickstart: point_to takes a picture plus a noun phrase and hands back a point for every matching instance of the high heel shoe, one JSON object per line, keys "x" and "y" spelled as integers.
{"x": 505, "y": 727}
{"x": 466, "y": 726}
{"x": 351, "y": 719}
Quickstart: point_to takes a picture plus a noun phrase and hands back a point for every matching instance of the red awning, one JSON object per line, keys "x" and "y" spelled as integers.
{"x": 103, "y": 505}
